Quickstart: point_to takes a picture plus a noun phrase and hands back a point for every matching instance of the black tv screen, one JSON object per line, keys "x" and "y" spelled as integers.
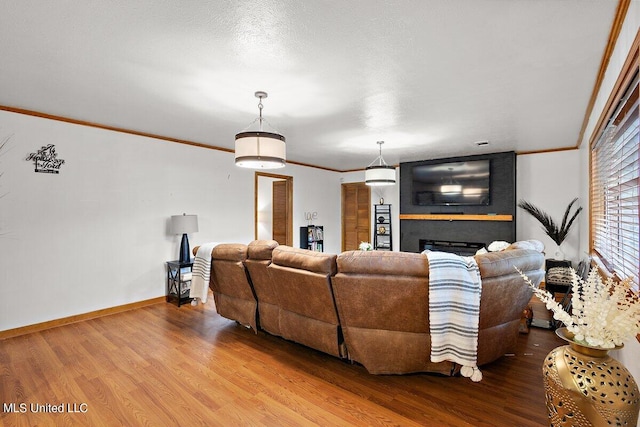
{"x": 452, "y": 183}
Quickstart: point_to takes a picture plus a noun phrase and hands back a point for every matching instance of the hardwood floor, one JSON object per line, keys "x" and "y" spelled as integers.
{"x": 162, "y": 366}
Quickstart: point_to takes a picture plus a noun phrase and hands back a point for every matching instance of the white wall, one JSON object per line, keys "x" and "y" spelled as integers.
{"x": 550, "y": 181}
{"x": 96, "y": 235}
{"x": 265, "y": 207}
{"x": 629, "y": 354}
{"x": 317, "y": 190}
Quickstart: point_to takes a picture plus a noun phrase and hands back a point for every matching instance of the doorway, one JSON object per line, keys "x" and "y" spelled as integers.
{"x": 356, "y": 215}
{"x": 273, "y": 207}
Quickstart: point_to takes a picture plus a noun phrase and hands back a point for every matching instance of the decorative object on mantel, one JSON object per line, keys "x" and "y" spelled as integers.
{"x": 259, "y": 149}
{"x": 365, "y": 246}
{"x": 379, "y": 172}
{"x": 45, "y": 159}
{"x": 584, "y": 385}
{"x": 557, "y": 234}
{"x": 184, "y": 224}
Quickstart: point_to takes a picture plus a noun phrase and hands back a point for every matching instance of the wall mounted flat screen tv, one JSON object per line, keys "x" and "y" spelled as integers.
{"x": 464, "y": 183}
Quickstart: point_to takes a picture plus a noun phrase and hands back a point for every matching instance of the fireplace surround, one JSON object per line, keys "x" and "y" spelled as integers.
{"x": 458, "y": 248}
{"x": 461, "y": 223}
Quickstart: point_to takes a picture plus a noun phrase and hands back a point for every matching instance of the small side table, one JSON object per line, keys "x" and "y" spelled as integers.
{"x": 552, "y": 286}
{"x": 562, "y": 286}
{"x": 179, "y": 281}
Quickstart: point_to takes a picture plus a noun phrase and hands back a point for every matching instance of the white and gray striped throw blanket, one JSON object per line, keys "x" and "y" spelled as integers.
{"x": 454, "y": 308}
{"x": 201, "y": 273}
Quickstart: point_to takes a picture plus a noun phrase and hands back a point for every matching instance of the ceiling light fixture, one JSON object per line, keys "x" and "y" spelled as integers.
{"x": 259, "y": 149}
{"x": 379, "y": 172}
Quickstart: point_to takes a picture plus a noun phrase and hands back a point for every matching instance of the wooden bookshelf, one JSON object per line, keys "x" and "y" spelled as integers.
{"x": 449, "y": 217}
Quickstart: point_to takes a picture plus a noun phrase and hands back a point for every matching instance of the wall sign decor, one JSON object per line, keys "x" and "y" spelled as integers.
{"x": 310, "y": 216}
{"x": 45, "y": 160}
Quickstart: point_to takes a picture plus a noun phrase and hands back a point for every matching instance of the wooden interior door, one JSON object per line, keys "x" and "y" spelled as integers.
{"x": 280, "y": 212}
{"x": 356, "y": 215}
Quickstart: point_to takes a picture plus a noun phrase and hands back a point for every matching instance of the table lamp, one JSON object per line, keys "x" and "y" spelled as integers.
{"x": 183, "y": 224}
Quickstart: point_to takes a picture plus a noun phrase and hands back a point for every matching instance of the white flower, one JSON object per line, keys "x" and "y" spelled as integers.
{"x": 365, "y": 246}
{"x": 603, "y": 314}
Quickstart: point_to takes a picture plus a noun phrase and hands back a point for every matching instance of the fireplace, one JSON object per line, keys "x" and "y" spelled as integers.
{"x": 459, "y": 248}
{"x": 472, "y": 223}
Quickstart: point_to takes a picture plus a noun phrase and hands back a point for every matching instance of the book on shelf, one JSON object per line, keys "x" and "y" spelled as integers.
{"x": 315, "y": 246}
{"x": 185, "y": 287}
{"x": 315, "y": 233}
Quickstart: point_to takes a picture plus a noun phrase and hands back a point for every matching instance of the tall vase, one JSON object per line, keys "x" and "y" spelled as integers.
{"x": 585, "y": 386}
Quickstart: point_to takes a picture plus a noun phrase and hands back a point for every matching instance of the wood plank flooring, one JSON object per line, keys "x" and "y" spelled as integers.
{"x": 167, "y": 366}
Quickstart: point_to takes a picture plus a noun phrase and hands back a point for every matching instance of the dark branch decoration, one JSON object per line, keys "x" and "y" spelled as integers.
{"x": 557, "y": 234}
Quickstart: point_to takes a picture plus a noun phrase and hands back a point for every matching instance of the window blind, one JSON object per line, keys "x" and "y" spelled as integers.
{"x": 615, "y": 171}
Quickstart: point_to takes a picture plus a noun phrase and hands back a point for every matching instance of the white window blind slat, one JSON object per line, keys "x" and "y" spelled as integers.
{"x": 615, "y": 189}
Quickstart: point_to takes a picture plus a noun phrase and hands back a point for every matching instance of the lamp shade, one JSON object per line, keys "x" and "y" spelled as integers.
{"x": 379, "y": 172}
{"x": 183, "y": 224}
{"x": 380, "y": 175}
{"x": 260, "y": 150}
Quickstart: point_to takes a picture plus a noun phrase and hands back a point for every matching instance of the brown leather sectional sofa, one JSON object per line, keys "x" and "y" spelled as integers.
{"x": 369, "y": 307}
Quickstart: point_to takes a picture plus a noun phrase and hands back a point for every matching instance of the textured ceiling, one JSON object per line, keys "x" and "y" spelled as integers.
{"x": 429, "y": 77}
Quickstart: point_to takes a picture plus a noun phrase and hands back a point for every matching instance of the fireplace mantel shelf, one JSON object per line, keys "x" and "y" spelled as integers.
{"x": 449, "y": 217}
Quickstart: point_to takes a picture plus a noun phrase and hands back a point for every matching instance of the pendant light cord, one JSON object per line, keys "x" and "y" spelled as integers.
{"x": 260, "y": 108}
{"x": 379, "y": 159}
{"x": 260, "y": 120}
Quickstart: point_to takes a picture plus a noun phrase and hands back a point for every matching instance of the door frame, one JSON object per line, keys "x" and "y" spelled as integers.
{"x": 342, "y": 208}
{"x": 289, "y": 180}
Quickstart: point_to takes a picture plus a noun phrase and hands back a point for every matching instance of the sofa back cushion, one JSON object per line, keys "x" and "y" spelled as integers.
{"x": 259, "y": 255}
{"x": 504, "y": 293}
{"x": 504, "y": 296}
{"x": 231, "y": 287}
{"x": 395, "y": 283}
{"x": 383, "y": 303}
{"x": 303, "y": 287}
{"x": 303, "y": 259}
{"x": 383, "y": 262}
{"x": 227, "y": 269}
{"x": 302, "y": 278}
{"x": 494, "y": 264}
{"x": 261, "y": 250}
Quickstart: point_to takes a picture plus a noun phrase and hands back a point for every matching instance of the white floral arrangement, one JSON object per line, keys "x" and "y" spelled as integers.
{"x": 365, "y": 246}
{"x": 603, "y": 314}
